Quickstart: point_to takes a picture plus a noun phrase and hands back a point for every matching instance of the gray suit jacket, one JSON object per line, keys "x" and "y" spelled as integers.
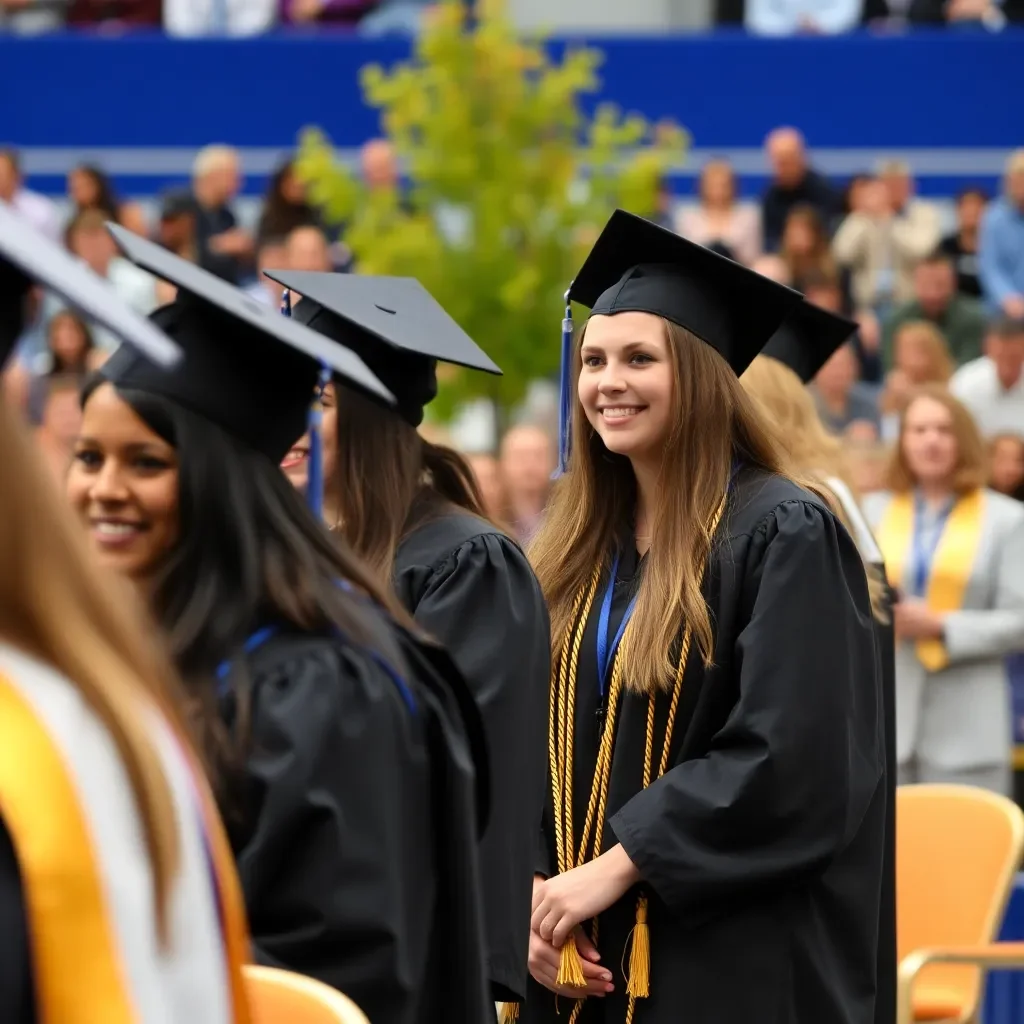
{"x": 959, "y": 717}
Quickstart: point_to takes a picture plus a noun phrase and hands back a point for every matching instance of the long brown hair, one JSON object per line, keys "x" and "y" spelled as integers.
{"x": 56, "y": 608}
{"x": 388, "y": 479}
{"x": 594, "y": 501}
{"x": 971, "y": 470}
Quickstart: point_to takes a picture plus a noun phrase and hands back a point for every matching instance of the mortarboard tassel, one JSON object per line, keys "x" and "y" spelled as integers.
{"x": 509, "y": 1013}
{"x": 565, "y": 392}
{"x": 638, "y": 984}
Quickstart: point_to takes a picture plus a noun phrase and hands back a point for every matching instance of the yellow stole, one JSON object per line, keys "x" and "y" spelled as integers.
{"x": 76, "y": 964}
{"x": 951, "y": 567}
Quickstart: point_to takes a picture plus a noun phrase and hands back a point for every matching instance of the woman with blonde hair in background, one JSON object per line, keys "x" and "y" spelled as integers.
{"x": 713, "y": 839}
{"x": 777, "y": 380}
{"x": 118, "y": 898}
{"x": 920, "y": 356}
{"x": 954, "y": 551}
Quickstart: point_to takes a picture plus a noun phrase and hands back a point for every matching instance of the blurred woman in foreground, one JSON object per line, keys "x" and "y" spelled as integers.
{"x": 108, "y": 904}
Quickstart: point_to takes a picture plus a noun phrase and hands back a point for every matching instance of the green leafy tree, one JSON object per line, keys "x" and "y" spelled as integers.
{"x": 510, "y": 182}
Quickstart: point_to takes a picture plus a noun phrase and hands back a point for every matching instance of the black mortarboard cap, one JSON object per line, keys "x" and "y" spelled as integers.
{"x": 399, "y": 329}
{"x": 26, "y": 256}
{"x": 807, "y": 338}
{"x": 636, "y": 265}
{"x": 247, "y": 368}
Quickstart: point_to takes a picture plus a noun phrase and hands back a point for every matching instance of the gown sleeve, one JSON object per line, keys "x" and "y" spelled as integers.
{"x": 16, "y": 990}
{"x": 789, "y": 777}
{"x": 485, "y": 605}
{"x": 338, "y": 867}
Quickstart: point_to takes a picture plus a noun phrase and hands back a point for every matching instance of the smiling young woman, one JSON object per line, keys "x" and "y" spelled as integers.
{"x": 712, "y": 843}
{"x": 331, "y": 726}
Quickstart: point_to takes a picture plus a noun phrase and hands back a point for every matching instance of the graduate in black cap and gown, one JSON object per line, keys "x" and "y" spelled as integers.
{"x": 118, "y": 895}
{"x": 799, "y": 349}
{"x": 413, "y": 511}
{"x": 712, "y": 850}
{"x": 347, "y": 753}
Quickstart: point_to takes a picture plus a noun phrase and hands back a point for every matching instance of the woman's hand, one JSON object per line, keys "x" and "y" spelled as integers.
{"x": 562, "y": 902}
{"x": 914, "y": 620}
{"x": 545, "y": 958}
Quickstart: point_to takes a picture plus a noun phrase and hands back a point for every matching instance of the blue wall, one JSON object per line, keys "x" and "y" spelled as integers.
{"x": 141, "y": 106}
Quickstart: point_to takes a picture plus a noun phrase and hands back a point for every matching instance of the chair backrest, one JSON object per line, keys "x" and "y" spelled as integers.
{"x": 281, "y": 997}
{"x": 957, "y": 851}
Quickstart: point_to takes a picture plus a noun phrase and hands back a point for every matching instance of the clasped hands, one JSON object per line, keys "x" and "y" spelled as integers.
{"x": 561, "y": 903}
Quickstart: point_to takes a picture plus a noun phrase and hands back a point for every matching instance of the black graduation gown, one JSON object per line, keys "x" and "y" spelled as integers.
{"x": 357, "y": 845}
{"x": 761, "y": 847}
{"x": 470, "y": 586}
{"x": 17, "y": 992}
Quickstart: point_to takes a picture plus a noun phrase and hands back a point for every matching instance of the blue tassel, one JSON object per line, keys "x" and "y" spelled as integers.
{"x": 565, "y": 393}
{"x": 315, "y": 462}
{"x": 315, "y": 476}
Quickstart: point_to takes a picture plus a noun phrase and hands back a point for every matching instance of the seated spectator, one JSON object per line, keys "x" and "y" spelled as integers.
{"x": 487, "y": 474}
{"x": 1006, "y": 465}
{"x": 799, "y": 17}
{"x": 992, "y": 387}
{"x": 962, "y": 246}
{"x": 793, "y": 183}
{"x": 1001, "y": 245}
{"x": 39, "y": 211}
{"x": 841, "y": 399}
{"x": 285, "y": 206}
{"x": 219, "y": 17}
{"x": 720, "y": 218}
{"x": 527, "y": 460}
{"x": 920, "y": 356}
{"x": 825, "y": 293}
{"x": 306, "y": 248}
{"x": 59, "y": 423}
{"x": 805, "y": 248}
{"x": 115, "y": 14}
{"x": 960, "y": 318}
{"x": 664, "y": 206}
{"x": 71, "y": 355}
{"x": 272, "y": 255}
{"x": 774, "y": 267}
{"x": 90, "y": 189}
{"x": 31, "y": 17}
{"x": 881, "y": 243}
{"x": 89, "y": 240}
{"x": 853, "y": 194}
{"x": 224, "y": 248}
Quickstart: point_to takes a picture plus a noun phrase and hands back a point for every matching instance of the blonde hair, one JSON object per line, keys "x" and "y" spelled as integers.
{"x": 808, "y": 446}
{"x": 971, "y": 470}
{"x": 596, "y": 498}
{"x": 54, "y": 607}
{"x": 788, "y": 405}
{"x": 213, "y": 158}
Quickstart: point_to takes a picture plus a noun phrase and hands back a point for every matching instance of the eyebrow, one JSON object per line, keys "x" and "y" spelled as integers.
{"x": 135, "y": 447}
{"x": 629, "y": 346}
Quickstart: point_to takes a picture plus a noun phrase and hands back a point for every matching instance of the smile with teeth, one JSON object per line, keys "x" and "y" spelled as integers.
{"x": 620, "y": 412}
{"x": 115, "y": 528}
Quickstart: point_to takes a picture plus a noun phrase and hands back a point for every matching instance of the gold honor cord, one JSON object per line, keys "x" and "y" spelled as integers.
{"x": 561, "y": 718}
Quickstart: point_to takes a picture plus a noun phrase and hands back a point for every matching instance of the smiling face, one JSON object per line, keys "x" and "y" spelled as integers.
{"x": 296, "y": 463}
{"x": 123, "y": 485}
{"x": 626, "y": 383}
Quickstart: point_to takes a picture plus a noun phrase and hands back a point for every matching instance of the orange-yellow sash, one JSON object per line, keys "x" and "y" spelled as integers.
{"x": 951, "y": 566}
{"x": 77, "y": 968}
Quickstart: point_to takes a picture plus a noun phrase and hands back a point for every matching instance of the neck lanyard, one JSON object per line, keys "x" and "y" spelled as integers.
{"x": 924, "y": 549}
{"x": 605, "y": 655}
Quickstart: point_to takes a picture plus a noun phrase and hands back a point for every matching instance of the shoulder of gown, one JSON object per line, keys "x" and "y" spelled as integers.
{"x": 472, "y": 588}
{"x": 787, "y": 779}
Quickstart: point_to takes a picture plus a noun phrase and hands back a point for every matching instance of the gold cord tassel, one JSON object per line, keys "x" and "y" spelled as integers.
{"x": 570, "y": 966}
{"x": 639, "y": 983}
{"x": 509, "y": 1013}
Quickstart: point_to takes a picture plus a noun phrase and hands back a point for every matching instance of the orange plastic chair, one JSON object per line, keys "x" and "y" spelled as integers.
{"x": 281, "y": 997}
{"x": 958, "y": 849}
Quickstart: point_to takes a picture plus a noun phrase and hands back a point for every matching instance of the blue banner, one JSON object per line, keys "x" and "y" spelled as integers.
{"x": 141, "y": 106}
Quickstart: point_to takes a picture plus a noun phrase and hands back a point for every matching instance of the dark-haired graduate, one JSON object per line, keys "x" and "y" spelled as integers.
{"x": 342, "y": 745}
{"x": 712, "y": 850}
{"x": 411, "y": 509}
